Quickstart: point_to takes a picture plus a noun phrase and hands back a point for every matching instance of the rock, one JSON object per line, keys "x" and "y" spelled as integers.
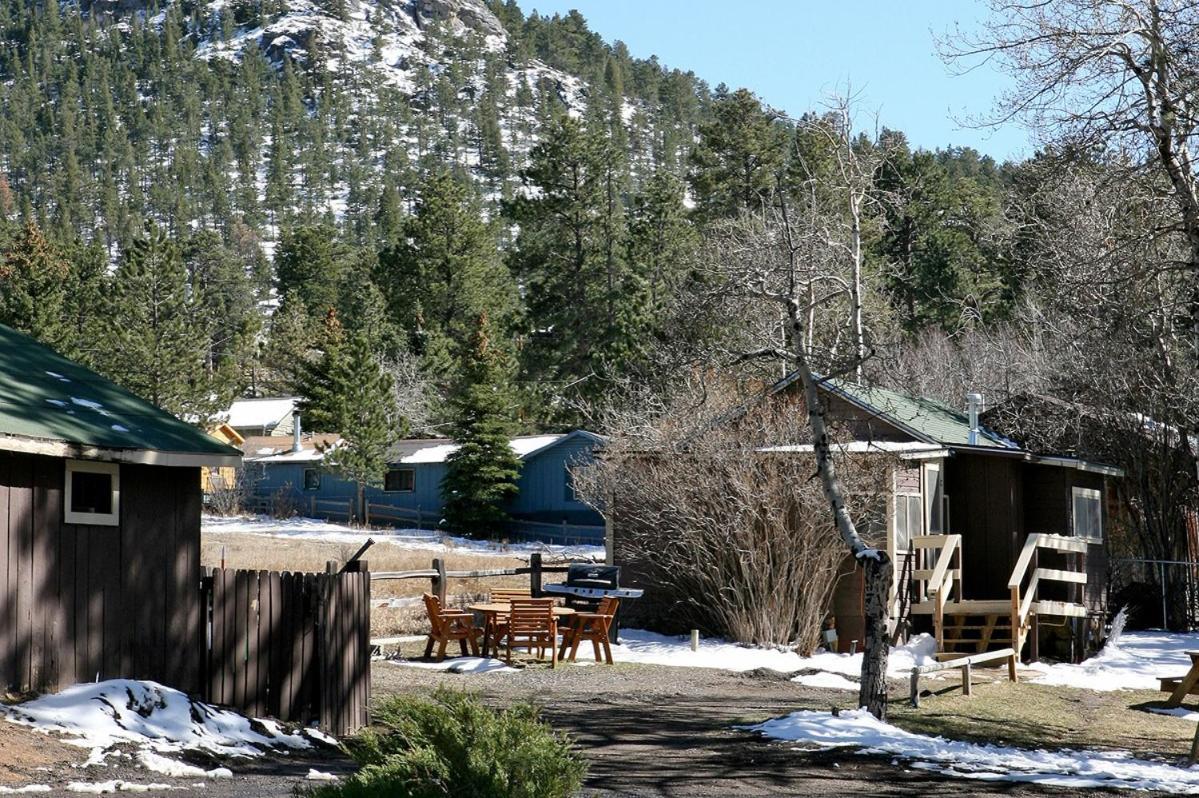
{"x": 473, "y": 14}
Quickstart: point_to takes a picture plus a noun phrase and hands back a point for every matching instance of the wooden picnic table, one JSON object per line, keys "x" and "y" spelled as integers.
{"x": 493, "y": 611}
{"x": 1179, "y": 687}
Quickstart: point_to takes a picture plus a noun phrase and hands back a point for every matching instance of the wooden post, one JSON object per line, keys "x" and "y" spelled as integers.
{"x": 1195, "y": 745}
{"x": 366, "y": 513}
{"x": 966, "y": 679}
{"x": 439, "y": 581}
{"x": 535, "y": 574}
{"x": 915, "y": 685}
{"x": 312, "y": 506}
{"x": 1011, "y": 668}
{"x": 695, "y": 640}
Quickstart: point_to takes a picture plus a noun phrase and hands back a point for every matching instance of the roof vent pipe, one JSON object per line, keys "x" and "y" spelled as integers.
{"x": 973, "y": 403}
{"x": 296, "y": 433}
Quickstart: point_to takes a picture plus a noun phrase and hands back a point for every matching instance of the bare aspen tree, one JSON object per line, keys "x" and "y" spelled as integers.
{"x": 769, "y": 261}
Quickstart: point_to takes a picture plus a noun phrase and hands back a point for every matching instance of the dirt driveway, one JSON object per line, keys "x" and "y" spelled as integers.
{"x": 668, "y": 733}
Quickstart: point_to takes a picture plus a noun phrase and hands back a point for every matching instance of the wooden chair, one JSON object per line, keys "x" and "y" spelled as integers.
{"x": 446, "y": 625}
{"x": 593, "y": 626}
{"x": 531, "y": 624}
{"x": 499, "y": 622}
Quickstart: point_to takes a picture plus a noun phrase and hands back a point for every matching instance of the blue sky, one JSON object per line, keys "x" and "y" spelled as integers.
{"x": 793, "y": 53}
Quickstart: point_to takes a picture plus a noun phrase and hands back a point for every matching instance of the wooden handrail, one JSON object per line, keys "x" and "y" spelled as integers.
{"x": 941, "y": 569}
{"x": 1023, "y": 603}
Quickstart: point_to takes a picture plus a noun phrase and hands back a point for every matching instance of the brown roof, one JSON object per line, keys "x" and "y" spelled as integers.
{"x": 264, "y": 445}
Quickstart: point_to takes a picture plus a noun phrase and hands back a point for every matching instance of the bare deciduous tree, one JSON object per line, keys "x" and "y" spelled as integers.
{"x": 729, "y": 527}
{"x": 1115, "y": 76}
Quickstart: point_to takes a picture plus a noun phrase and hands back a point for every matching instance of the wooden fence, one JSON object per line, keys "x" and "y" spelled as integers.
{"x": 293, "y": 646}
{"x": 561, "y": 533}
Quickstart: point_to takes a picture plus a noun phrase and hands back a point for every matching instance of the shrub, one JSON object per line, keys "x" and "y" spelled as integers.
{"x": 451, "y": 746}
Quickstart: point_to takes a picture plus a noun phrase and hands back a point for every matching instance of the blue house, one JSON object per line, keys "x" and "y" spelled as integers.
{"x": 546, "y": 507}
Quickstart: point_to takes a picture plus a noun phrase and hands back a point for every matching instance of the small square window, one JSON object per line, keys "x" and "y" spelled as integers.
{"x": 1088, "y": 513}
{"x": 312, "y": 479}
{"x": 400, "y": 480}
{"x": 92, "y": 493}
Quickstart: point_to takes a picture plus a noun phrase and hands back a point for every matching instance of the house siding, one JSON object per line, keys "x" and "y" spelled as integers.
{"x": 80, "y": 602}
{"x": 541, "y": 501}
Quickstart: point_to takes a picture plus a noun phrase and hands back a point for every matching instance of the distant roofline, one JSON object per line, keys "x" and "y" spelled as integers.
{"x": 76, "y": 451}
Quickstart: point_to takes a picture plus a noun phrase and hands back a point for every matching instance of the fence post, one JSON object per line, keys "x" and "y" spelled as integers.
{"x": 312, "y": 506}
{"x": 439, "y": 581}
{"x": 535, "y": 574}
{"x": 366, "y": 512}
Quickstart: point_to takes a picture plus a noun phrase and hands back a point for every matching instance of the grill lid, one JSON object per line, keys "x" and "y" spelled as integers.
{"x": 588, "y": 575}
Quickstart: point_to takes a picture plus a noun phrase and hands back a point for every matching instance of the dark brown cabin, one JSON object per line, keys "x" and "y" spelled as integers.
{"x": 99, "y": 528}
{"x": 993, "y": 545}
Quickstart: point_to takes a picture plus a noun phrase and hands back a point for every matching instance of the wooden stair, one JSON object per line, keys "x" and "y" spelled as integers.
{"x": 965, "y": 627}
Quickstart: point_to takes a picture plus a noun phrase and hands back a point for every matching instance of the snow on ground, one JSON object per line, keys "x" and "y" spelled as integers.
{"x": 414, "y": 539}
{"x": 156, "y": 720}
{"x": 1062, "y": 768}
{"x": 637, "y": 645}
{"x": 823, "y": 669}
{"x": 468, "y": 665}
{"x": 1133, "y": 661}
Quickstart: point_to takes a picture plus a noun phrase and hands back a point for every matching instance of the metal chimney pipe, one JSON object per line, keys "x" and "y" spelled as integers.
{"x": 296, "y": 432}
{"x": 973, "y": 403}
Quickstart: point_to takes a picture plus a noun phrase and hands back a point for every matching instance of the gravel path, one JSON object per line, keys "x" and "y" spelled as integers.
{"x": 670, "y": 732}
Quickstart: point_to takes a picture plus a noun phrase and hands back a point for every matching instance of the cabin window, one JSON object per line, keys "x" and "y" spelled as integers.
{"x": 400, "y": 480}
{"x": 908, "y": 519}
{"x": 92, "y": 493}
{"x": 1088, "y": 514}
{"x": 934, "y": 500}
{"x": 312, "y": 479}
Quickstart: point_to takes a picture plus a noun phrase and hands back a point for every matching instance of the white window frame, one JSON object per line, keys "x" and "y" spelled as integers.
{"x": 1077, "y": 492}
{"x": 95, "y": 519}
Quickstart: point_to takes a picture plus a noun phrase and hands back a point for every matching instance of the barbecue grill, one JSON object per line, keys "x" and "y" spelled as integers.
{"x": 586, "y": 585}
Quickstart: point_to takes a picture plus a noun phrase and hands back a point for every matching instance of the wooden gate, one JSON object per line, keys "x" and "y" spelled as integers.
{"x": 292, "y": 646}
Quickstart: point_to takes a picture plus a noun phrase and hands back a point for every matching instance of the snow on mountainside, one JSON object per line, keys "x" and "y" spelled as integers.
{"x": 390, "y": 39}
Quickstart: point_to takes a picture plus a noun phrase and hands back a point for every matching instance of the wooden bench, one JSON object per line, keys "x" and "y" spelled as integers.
{"x": 963, "y": 663}
{"x": 1179, "y": 687}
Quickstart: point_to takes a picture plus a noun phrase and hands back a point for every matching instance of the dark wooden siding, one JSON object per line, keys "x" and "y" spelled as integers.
{"x": 986, "y": 496}
{"x": 83, "y": 602}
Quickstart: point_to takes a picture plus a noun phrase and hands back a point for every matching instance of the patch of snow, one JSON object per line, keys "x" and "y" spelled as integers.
{"x": 1133, "y": 661}
{"x": 1178, "y": 712}
{"x": 116, "y": 785}
{"x": 91, "y": 404}
{"x": 321, "y": 737}
{"x": 170, "y": 767}
{"x": 120, "y": 428}
{"x": 1061, "y": 768}
{"x": 412, "y": 539}
{"x": 57, "y": 402}
{"x": 320, "y": 775}
{"x": 57, "y": 376}
{"x": 147, "y": 714}
{"x": 469, "y": 665}
{"x": 637, "y": 645}
{"x": 26, "y": 790}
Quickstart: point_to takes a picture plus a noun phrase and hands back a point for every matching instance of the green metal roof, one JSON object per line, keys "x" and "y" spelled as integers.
{"x": 928, "y": 419}
{"x": 46, "y": 397}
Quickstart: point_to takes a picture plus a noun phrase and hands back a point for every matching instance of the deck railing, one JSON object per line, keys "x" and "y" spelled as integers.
{"x": 938, "y": 575}
{"x": 1026, "y": 601}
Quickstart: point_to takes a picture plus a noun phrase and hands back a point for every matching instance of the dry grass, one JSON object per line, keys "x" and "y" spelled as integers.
{"x": 262, "y": 552}
{"x": 1031, "y": 715}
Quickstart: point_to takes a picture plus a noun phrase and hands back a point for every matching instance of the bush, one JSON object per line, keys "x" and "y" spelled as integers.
{"x": 451, "y": 746}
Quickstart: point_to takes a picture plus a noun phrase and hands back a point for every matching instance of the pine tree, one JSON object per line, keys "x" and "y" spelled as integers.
{"x": 444, "y": 272}
{"x": 357, "y": 399}
{"x": 311, "y": 262}
{"x": 737, "y": 160}
{"x": 151, "y": 329}
{"x": 481, "y": 474}
{"x": 33, "y": 282}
